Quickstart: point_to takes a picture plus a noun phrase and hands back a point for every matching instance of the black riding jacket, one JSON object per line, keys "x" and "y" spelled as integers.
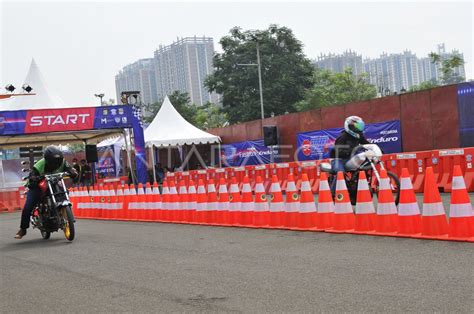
{"x": 345, "y": 144}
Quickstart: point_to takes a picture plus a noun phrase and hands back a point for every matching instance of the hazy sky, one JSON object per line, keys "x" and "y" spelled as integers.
{"x": 80, "y": 46}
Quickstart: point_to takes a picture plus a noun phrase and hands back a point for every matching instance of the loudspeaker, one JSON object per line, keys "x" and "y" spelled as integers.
{"x": 91, "y": 153}
{"x": 270, "y": 135}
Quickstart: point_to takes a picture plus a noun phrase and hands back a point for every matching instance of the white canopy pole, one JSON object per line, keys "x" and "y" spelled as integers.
{"x": 129, "y": 158}
{"x": 153, "y": 162}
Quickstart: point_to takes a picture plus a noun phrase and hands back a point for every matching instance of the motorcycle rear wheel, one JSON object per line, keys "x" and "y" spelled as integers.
{"x": 69, "y": 231}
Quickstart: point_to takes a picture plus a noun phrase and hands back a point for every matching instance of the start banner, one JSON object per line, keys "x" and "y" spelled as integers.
{"x": 248, "y": 153}
{"x": 318, "y": 144}
{"x": 35, "y": 121}
{"x": 65, "y": 119}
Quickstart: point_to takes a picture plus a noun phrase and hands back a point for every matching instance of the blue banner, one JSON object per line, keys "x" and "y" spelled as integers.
{"x": 247, "y": 153}
{"x": 466, "y": 114}
{"x": 318, "y": 144}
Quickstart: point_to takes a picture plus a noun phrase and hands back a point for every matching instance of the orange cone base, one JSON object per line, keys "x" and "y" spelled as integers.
{"x": 261, "y": 219}
{"x": 386, "y": 224}
{"x": 276, "y": 219}
{"x": 291, "y": 220}
{"x": 307, "y": 221}
{"x": 434, "y": 226}
{"x": 409, "y": 225}
{"x": 460, "y": 228}
{"x": 343, "y": 223}
{"x": 365, "y": 222}
{"x": 325, "y": 221}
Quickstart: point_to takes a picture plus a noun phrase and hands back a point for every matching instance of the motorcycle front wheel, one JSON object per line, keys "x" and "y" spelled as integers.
{"x": 45, "y": 234}
{"x": 394, "y": 185}
{"x": 68, "y": 228}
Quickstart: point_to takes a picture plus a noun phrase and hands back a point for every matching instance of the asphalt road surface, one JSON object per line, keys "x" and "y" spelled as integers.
{"x": 152, "y": 267}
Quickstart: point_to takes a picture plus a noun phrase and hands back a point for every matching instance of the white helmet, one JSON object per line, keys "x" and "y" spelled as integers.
{"x": 354, "y": 125}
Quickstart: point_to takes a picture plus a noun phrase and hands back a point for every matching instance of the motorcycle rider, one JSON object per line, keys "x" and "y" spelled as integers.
{"x": 348, "y": 140}
{"x": 52, "y": 162}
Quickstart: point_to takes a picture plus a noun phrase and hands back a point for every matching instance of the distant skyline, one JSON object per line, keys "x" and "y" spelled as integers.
{"x": 81, "y": 46}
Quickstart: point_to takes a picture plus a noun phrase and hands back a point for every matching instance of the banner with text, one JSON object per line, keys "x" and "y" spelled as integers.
{"x": 247, "y": 153}
{"x": 318, "y": 144}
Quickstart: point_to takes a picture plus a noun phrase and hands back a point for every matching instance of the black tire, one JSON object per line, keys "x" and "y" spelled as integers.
{"x": 46, "y": 234}
{"x": 395, "y": 184}
{"x": 69, "y": 231}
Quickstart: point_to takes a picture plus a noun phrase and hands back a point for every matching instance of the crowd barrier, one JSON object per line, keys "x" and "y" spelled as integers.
{"x": 235, "y": 204}
{"x": 12, "y": 199}
{"x": 441, "y": 161}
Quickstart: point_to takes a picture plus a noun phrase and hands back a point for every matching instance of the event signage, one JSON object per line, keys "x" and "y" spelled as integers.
{"x": 24, "y": 122}
{"x": 318, "y": 144}
{"x": 65, "y": 119}
{"x": 248, "y": 153}
{"x": 106, "y": 166}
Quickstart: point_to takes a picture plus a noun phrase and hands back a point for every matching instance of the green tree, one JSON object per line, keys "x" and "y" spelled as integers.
{"x": 210, "y": 116}
{"x": 286, "y": 72}
{"x": 336, "y": 88}
{"x": 447, "y": 66}
{"x": 423, "y": 86}
{"x": 181, "y": 103}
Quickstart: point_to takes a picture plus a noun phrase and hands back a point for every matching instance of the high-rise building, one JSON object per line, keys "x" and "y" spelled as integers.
{"x": 338, "y": 63}
{"x": 138, "y": 76}
{"x": 391, "y": 72}
{"x": 184, "y": 66}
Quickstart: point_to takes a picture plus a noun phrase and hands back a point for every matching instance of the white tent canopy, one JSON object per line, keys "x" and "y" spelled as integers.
{"x": 43, "y": 98}
{"x": 169, "y": 128}
{"x": 116, "y": 141}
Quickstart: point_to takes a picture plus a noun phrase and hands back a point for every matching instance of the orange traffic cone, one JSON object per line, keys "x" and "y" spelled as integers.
{"x": 211, "y": 203}
{"x": 201, "y": 202}
{"x": 173, "y": 202}
{"x": 139, "y": 211}
{"x": 292, "y": 204}
{"x": 183, "y": 202}
{"x": 126, "y": 200}
{"x": 409, "y": 218}
{"x": 156, "y": 207}
{"x": 387, "y": 215}
{"x": 222, "y": 216}
{"x": 344, "y": 220}
{"x": 165, "y": 202}
{"x": 235, "y": 206}
{"x": 114, "y": 204}
{"x": 364, "y": 212}
{"x": 277, "y": 206}
{"x": 325, "y": 204}
{"x": 461, "y": 219}
{"x": 433, "y": 220}
{"x": 261, "y": 208}
{"x": 121, "y": 202}
{"x": 192, "y": 202}
{"x": 307, "y": 218}
{"x": 247, "y": 207}
{"x": 148, "y": 205}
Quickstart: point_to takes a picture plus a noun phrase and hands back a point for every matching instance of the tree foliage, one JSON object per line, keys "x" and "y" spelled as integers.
{"x": 286, "y": 72}
{"x": 423, "y": 86}
{"x": 204, "y": 117}
{"x": 336, "y": 88}
{"x": 447, "y": 66}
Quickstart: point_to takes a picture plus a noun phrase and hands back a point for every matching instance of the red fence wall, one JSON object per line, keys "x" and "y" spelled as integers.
{"x": 429, "y": 120}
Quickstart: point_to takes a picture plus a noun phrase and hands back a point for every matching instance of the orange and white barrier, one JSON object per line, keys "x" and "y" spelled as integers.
{"x": 294, "y": 211}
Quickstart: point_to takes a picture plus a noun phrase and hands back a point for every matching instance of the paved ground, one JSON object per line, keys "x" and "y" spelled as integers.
{"x": 152, "y": 267}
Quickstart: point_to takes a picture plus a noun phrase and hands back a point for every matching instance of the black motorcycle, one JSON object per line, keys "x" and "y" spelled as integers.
{"x": 54, "y": 211}
{"x": 365, "y": 161}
